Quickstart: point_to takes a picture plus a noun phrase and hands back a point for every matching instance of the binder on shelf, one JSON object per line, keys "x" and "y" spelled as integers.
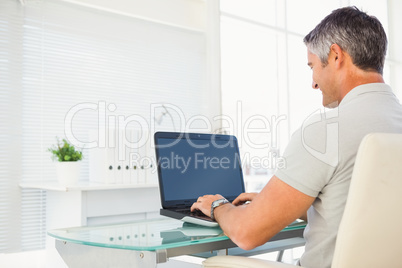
{"x": 120, "y": 156}
{"x": 126, "y": 166}
{"x": 110, "y": 150}
{"x": 133, "y": 157}
{"x": 142, "y": 152}
{"x": 128, "y": 144}
{"x": 151, "y": 169}
{"x": 127, "y": 157}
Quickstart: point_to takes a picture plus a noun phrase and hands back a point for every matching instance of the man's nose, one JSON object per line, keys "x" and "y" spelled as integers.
{"x": 315, "y": 85}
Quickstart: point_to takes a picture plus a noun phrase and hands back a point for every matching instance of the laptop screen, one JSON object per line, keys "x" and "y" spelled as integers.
{"x": 192, "y": 165}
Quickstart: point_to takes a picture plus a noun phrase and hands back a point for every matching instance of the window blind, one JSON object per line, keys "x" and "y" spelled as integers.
{"x": 10, "y": 125}
{"x": 57, "y": 55}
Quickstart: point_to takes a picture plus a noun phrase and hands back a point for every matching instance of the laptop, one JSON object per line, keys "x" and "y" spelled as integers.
{"x": 194, "y": 164}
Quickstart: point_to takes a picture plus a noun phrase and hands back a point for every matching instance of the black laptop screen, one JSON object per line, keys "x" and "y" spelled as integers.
{"x": 191, "y": 167}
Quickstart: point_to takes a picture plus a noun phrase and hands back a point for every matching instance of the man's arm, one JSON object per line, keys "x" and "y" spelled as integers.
{"x": 248, "y": 197}
{"x": 252, "y": 225}
{"x": 304, "y": 217}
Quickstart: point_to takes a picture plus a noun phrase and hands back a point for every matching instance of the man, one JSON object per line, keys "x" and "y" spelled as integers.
{"x": 346, "y": 53}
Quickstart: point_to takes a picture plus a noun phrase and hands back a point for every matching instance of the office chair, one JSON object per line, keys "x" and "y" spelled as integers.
{"x": 370, "y": 232}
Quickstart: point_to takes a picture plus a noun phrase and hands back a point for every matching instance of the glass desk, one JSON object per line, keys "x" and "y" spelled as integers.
{"x": 149, "y": 242}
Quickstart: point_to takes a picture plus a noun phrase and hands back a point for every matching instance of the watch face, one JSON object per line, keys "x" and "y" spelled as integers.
{"x": 219, "y": 202}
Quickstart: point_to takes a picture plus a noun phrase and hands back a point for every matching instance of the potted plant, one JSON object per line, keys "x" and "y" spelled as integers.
{"x": 68, "y": 166}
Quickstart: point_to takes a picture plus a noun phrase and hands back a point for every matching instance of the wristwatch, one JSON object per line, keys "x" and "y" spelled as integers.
{"x": 216, "y": 204}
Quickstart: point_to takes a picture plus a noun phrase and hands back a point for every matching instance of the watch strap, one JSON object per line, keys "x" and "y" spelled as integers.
{"x": 216, "y": 204}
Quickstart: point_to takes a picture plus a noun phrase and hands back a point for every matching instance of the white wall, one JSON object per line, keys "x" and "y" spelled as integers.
{"x": 184, "y": 13}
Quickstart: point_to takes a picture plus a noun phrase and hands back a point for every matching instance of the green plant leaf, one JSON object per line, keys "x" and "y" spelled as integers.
{"x": 63, "y": 151}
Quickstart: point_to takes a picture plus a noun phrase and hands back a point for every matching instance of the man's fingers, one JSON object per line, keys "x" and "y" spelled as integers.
{"x": 194, "y": 206}
{"x": 240, "y": 199}
{"x": 243, "y": 198}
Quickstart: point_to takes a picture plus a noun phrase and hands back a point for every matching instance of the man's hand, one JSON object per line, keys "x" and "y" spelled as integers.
{"x": 243, "y": 198}
{"x": 204, "y": 203}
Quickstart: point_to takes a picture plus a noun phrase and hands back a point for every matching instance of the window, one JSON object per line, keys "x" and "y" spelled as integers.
{"x": 56, "y": 56}
{"x": 266, "y": 84}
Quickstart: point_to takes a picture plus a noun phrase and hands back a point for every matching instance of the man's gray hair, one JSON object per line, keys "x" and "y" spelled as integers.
{"x": 360, "y": 35}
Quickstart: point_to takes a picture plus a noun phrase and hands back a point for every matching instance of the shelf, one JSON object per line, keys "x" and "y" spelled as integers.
{"x": 82, "y": 186}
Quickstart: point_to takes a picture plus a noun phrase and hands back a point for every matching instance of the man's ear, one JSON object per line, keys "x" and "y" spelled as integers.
{"x": 336, "y": 54}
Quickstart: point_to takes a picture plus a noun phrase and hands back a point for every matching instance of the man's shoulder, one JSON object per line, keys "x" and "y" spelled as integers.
{"x": 319, "y": 119}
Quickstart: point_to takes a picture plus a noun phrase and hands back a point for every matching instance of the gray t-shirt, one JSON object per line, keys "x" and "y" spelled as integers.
{"x": 320, "y": 159}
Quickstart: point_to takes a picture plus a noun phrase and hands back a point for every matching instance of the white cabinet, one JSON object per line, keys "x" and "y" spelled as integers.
{"x": 89, "y": 203}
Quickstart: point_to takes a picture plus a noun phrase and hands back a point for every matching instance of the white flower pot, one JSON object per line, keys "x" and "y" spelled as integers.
{"x": 68, "y": 172}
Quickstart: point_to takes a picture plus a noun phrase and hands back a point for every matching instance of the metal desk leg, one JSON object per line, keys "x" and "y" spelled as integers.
{"x": 83, "y": 256}
{"x": 280, "y": 255}
{"x": 222, "y": 252}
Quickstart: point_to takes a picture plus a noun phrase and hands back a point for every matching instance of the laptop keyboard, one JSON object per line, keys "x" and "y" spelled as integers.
{"x": 195, "y": 213}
